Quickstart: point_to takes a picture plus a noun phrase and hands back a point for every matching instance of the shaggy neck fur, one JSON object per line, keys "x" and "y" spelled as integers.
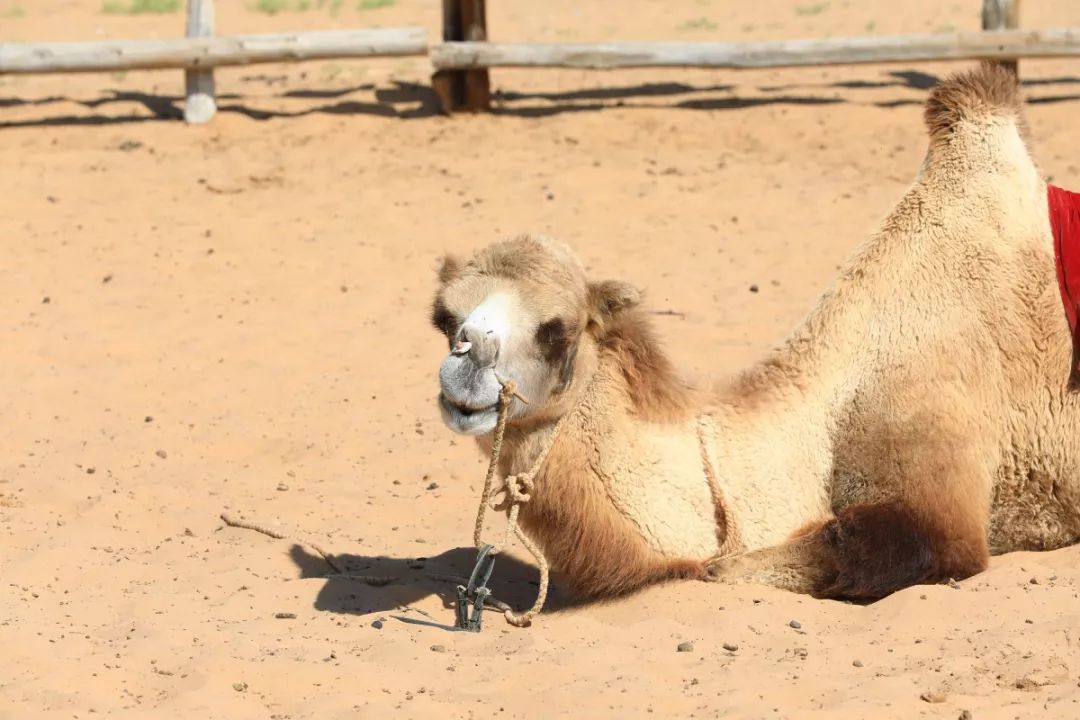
{"x": 623, "y": 498}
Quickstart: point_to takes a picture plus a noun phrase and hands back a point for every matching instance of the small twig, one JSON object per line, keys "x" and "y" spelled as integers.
{"x": 223, "y": 191}
{"x": 233, "y": 522}
{"x": 672, "y": 313}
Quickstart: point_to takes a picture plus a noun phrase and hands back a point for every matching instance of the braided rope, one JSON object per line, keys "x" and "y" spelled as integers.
{"x": 519, "y": 489}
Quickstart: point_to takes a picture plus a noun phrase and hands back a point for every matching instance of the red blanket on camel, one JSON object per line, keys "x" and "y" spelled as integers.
{"x": 1065, "y": 225}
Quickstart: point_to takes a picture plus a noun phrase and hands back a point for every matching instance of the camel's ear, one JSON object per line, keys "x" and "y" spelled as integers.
{"x": 450, "y": 269}
{"x": 609, "y": 298}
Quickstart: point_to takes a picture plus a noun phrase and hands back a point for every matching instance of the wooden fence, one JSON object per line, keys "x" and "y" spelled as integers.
{"x": 462, "y": 61}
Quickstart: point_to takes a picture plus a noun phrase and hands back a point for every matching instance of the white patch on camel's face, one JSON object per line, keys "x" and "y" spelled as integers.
{"x": 486, "y": 346}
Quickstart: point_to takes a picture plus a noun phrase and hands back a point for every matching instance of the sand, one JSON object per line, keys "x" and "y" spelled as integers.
{"x": 233, "y": 318}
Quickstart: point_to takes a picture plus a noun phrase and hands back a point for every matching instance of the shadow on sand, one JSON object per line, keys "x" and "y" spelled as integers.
{"x": 513, "y": 582}
{"x": 406, "y": 101}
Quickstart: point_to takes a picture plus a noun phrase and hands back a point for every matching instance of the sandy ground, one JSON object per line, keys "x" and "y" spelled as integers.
{"x": 234, "y": 318}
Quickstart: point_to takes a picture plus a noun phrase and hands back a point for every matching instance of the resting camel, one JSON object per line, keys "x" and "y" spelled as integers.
{"x": 919, "y": 420}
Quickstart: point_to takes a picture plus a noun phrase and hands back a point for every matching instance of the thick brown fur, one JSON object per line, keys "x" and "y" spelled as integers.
{"x": 878, "y": 549}
{"x": 597, "y": 551}
{"x": 657, "y": 392}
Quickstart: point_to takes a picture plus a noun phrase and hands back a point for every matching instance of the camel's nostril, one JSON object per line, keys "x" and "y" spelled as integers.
{"x": 480, "y": 344}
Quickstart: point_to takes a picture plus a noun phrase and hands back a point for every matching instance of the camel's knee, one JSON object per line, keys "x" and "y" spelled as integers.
{"x": 880, "y": 548}
{"x": 797, "y": 566}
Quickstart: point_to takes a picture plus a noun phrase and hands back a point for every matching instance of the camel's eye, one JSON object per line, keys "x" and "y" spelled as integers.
{"x": 444, "y": 321}
{"x": 554, "y": 338}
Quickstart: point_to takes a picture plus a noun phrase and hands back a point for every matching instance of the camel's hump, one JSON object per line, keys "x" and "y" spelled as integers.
{"x": 987, "y": 91}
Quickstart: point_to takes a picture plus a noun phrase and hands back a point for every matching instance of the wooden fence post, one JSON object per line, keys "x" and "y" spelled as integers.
{"x": 1002, "y": 15}
{"x": 199, "y": 84}
{"x": 463, "y": 21}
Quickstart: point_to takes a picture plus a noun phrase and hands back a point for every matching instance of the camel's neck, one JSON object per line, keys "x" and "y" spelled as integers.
{"x": 621, "y": 500}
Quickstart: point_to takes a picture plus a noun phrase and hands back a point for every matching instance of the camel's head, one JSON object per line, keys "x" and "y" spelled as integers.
{"x": 518, "y": 310}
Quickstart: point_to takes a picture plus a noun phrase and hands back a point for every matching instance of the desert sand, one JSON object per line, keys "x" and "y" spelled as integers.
{"x": 234, "y": 318}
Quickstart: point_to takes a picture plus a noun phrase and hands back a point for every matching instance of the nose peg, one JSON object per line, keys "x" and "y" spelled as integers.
{"x": 479, "y": 344}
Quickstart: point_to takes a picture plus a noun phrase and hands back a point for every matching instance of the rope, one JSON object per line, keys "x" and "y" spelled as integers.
{"x": 519, "y": 488}
{"x": 731, "y": 542}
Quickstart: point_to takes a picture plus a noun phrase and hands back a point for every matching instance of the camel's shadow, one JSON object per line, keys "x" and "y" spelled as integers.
{"x": 414, "y": 579}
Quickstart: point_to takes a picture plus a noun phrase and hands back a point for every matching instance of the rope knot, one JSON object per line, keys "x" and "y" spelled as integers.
{"x": 520, "y": 487}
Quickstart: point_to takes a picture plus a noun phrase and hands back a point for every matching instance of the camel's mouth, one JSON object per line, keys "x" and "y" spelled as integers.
{"x": 468, "y": 420}
{"x": 465, "y": 409}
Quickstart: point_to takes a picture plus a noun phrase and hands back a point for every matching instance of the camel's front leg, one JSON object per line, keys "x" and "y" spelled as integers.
{"x": 867, "y": 551}
{"x": 798, "y": 565}
{"x": 922, "y": 517}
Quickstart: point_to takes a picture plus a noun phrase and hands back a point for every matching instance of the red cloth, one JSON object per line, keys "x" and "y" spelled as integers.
{"x": 1065, "y": 226}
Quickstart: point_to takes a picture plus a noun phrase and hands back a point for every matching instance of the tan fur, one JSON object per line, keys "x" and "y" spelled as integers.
{"x": 915, "y": 422}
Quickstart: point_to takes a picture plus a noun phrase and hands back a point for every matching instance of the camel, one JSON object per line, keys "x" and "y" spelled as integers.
{"x": 917, "y": 421}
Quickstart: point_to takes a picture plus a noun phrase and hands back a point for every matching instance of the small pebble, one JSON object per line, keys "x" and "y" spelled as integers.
{"x": 795, "y": 624}
{"x": 433, "y": 486}
{"x": 686, "y": 647}
{"x": 438, "y": 648}
{"x": 162, "y": 454}
{"x": 90, "y": 471}
{"x": 285, "y": 616}
{"x": 753, "y": 288}
{"x": 239, "y": 687}
{"x": 377, "y": 624}
{"x": 148, "y": 418}
{"x": 965, "y": 715}
{"x": 731, "y": 647}
{"x": 1034, "y": 581}
{"x": 857, "y": 663}
{"x": 282, "y": 487}
{"x": 932, "y": 696}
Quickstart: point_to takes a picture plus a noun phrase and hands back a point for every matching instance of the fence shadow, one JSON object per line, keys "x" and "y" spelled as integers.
{"x": 407, "y": 101}
{"x": 513, "y": 582}
{"x": 401, "y": 100}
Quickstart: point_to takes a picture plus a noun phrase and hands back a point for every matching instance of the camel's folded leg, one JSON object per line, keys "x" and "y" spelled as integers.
{"x": 932, "y": 528}
{"x": 798, "y": 565}
{"x": 867, "y": 552}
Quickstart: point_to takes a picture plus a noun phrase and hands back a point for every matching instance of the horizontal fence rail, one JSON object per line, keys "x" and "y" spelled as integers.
{"x": 995, "y": 45}
{"x": 208, "y": 52}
